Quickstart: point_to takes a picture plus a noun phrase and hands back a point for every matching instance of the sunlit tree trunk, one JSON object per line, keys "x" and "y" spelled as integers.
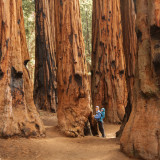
{"x": 73, "y": 85}
{"x": 130, "y": 51}
{"x": 108, "y": 62}
{"x": 18, "y": 114}
{"x": 141, "y": 135}
{"x": 45, "y": 63}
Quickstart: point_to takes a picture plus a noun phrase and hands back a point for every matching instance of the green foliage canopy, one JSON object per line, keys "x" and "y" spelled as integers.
{"x": 86, "y": 16}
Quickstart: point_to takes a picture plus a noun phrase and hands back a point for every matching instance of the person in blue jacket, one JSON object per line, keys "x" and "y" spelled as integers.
{"x": 99, "y": 117}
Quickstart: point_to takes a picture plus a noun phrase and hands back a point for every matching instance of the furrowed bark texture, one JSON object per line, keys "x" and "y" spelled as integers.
{"x": 18, "y": 114}
{"x": 108, "y": 62}
{"x": 141, "y": 135}
{"x": 73, "y": 85}
{"x": 130, "y": 51}
{"x": 45, "y": 61}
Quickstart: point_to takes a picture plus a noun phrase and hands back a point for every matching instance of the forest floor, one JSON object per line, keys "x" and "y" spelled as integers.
{"x": 58, "y": 147}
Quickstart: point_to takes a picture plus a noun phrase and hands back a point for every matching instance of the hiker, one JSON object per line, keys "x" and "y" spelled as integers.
{"x": 99, "y": 117}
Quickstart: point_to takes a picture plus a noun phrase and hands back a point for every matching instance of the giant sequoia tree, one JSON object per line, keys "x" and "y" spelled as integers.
{"x": 130, "y": 49}
{"x": 73, "y": 88}
{"x": 18, "y": 115}
{"x": 108, "y": 61}
{"x": 141, "y": 135}
{"x": 45, "y": 63}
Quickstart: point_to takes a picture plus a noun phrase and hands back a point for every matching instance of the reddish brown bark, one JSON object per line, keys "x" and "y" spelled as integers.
{"x": 18, "y": 115}
{"x": 130, "y": 49}
{"x": 140, "y": 137}
{"x": 108, "y": 62}
{"x": 45, "y": 64}
{"x": 73, "y": 86}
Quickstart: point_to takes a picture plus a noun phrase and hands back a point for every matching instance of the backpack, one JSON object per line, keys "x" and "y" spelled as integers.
{"x": 103, "y": 113}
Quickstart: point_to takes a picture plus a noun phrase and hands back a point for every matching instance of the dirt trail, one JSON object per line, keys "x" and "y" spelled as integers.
{"x": 57, "y": 147}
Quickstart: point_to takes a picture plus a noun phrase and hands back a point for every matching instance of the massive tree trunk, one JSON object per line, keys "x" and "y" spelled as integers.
{"x": 18, "y": 114}
{"x": 45, "y": 63}
{"x": 108, "y": 62}
{"x": 72, "y": 76}
{"x": 141, "y": 135}
{"x": 130, "y": 49}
